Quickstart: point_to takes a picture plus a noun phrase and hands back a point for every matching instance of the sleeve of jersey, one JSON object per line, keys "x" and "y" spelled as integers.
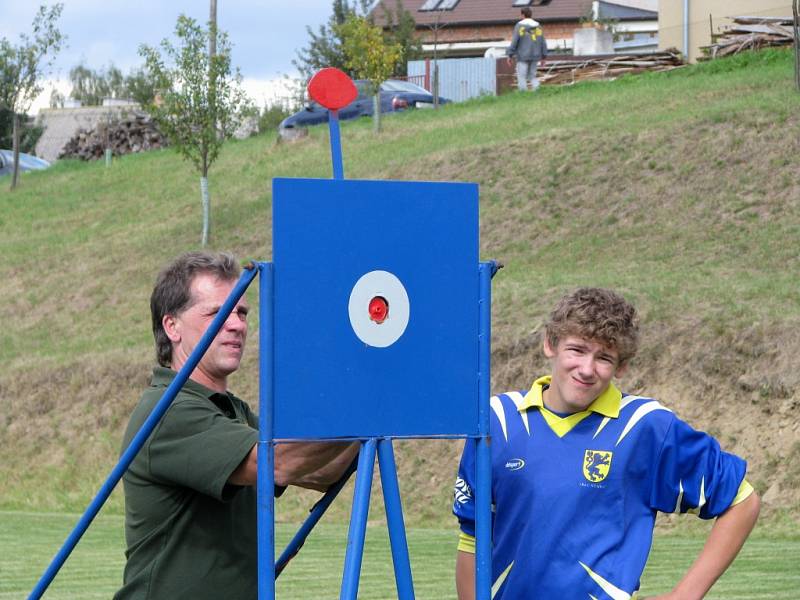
{"x": 463, "y": 497}
{"x": 694, "y": 475}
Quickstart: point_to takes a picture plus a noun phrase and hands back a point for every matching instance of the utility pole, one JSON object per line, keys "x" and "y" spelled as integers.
{"x": 796, "y": 32}
{"x": 212, "y": 89}
{"x": 212, "y": 26}
{"x": 435, "y": 28}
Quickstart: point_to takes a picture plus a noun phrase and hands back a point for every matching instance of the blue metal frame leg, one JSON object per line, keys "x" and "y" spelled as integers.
{"x": 358, "y": 521}
{"x": 315, "y": 514}
{"x": 265, "y": 485}
{"x": 394, "y": 518}
{"x": 483, "y": 502}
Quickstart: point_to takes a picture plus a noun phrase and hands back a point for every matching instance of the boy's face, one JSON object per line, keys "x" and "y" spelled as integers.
{"x": 582, "y": 370}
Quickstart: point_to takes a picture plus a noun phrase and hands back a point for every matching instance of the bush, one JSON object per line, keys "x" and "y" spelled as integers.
{"x": 29, "y": 134}
{"x": 271, "y": 117}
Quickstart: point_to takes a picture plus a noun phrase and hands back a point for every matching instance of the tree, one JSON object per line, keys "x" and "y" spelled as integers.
{"x": 22, "y": 68}
{"x": 368, "y": 56}
{"x": 90, "y": 87}
{"x": 400, "y": 28}
{"x": 29, "y": 133}
{"x": 325, "y": 48}
{"x": 199, "y": 97}
{"x": 140, "y": 86}
{"x": 57, "y": 99}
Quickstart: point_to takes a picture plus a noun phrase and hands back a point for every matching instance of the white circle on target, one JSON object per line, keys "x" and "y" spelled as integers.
{"x": 380, "y": 332}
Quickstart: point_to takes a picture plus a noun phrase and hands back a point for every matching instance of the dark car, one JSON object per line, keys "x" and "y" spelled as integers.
{"x": 27, "y": 162}
{"x": 395, "y": 95}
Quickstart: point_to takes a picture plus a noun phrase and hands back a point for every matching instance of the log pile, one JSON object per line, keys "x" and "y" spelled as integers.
{"x": 583, "y": 68}
{"x": 750, "y": 33}
{"x": 134, "y": 133}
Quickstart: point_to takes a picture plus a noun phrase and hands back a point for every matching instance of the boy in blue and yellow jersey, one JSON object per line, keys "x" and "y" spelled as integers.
{"x": 579, "y": 470}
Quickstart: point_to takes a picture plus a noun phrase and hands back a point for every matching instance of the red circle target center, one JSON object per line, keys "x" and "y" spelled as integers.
{"x": 378, "y": 309}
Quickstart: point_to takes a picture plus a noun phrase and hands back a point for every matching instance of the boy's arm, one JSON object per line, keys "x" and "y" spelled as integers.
{"x": 465, "y": 575}
{"x": 727, "y": 536}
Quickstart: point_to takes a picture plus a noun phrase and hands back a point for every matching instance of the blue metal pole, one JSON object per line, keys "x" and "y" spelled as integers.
{"x": 483, "y": 514}
{"x": 336, "y": 145}
{"x": 358, "y": 521}
{"x": 265, "y": 485}
{"x": 144, "y": 432}
{"x": 293, "y": 547}
{"x": 394, "y": 518}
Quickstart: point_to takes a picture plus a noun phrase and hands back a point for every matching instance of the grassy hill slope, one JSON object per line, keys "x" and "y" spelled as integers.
{"x": 680, "y": 189}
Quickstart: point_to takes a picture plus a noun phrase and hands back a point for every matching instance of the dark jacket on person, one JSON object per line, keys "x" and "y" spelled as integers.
{"x": 528, "y": 43}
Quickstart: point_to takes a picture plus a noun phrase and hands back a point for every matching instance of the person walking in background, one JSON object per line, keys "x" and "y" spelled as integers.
{"x": 529, "y": 47}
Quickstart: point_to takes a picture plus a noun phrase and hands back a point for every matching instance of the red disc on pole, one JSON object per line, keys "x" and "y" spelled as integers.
{"x": 332, "y": 88}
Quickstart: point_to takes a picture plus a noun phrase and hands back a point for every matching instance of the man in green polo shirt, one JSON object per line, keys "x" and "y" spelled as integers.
{"x": 190, "y": 500}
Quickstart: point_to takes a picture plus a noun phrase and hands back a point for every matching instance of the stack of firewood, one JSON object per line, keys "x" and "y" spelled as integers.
{"x": 750, "y": 33}
{"x": 582, "y": 68}
{"x": 135, "y": 133}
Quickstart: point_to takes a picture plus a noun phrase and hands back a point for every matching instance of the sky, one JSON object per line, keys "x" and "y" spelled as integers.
{"x": 265, "y": 34}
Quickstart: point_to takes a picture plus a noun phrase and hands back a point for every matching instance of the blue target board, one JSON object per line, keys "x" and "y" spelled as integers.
{"x": 376, "y": 300}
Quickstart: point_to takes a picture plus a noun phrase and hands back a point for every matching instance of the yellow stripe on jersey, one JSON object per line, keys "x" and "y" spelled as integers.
{"x": 466, "y": 543}
{"x": 496, "y": 585}
{"x": 608, "y": 587}
{"x": 607, "y": 404}
{"x": 561, "y": 426}
{"x": 745, "y": 489}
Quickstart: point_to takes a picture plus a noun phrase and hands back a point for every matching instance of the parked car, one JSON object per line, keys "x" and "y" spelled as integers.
{"x": 27, "y": 162}
{"x": 395, "y": 95}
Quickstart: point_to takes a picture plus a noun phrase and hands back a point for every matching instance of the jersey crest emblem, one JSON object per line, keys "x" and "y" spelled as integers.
{"x": 596, "y": 464}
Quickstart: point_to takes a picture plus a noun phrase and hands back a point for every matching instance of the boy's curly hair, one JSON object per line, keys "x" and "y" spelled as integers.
{"x": 596, "y": 314}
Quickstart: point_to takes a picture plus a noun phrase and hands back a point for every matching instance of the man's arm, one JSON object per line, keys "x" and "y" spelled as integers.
{"x": 315, "y": 465}
{"x": 727, "y": 536}
{"x": 465, "y": 575}
{"x": 337, "y": 457}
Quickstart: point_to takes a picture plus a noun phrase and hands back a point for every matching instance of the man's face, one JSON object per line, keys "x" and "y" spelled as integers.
{"x": 185, "y": 330}
{"x": 582, "y": 370}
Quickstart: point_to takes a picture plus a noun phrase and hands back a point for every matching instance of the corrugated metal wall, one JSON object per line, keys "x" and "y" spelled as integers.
{"x": 460, "y": 78}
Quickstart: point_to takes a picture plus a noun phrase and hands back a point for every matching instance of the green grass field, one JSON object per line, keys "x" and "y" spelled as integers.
{"x": 766, "y": 567}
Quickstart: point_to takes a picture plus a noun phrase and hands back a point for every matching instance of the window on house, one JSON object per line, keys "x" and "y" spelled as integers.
{"x": 438, "y": 5}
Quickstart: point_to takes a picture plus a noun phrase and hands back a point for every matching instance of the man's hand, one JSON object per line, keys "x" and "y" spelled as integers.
{"x": 315, "y": 465}
{"x": 509, "y": 61}
{"x": 318, "y": 465}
